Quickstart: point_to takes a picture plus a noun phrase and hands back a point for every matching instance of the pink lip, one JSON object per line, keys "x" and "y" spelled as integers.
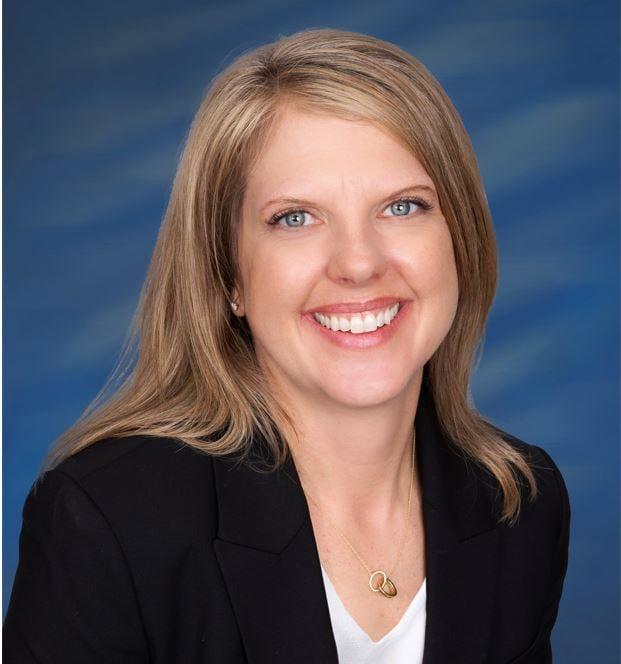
{"x": 366, "y": 339}
{"x": 355, "y": 307}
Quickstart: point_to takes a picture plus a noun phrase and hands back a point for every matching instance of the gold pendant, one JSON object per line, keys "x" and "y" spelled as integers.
{"x": 386, "y": 587}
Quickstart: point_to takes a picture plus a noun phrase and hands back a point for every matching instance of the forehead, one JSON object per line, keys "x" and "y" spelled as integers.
{"x": 319, "y": 150}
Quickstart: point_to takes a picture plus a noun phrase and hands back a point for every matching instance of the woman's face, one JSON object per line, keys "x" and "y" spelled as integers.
{"x": 352, "y": 237}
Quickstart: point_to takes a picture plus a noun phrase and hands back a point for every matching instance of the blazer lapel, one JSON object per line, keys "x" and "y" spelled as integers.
{"x": 268, "y": 556}
{"x": 461, "y": 546}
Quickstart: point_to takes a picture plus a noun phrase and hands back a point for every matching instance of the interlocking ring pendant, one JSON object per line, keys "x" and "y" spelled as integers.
{"x": 387, "y": 587}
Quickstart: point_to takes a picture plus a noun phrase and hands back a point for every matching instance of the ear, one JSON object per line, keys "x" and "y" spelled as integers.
{"x": 237, "y": 298}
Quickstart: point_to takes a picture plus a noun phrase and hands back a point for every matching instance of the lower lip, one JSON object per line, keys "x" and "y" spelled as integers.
{"x": 365, "y": 339}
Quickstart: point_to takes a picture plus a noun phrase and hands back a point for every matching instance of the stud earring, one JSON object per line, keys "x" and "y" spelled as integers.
{"x": 234, "y": 306}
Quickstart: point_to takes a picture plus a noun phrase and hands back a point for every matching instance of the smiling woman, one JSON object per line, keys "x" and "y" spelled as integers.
{"x": 294, "y": 470}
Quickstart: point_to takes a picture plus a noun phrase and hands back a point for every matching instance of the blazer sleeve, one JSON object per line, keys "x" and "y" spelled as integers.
{"x": 559, "y": 569}
{"x": 72, "y": 599}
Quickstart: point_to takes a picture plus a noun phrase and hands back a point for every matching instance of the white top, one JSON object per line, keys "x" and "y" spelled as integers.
{"x": 403, "y": 644}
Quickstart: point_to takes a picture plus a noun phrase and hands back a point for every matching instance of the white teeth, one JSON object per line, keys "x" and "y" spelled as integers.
{"x": 370, "y": 323}
{"x": 355, "y": 323}
{"x": 357, "y": 326}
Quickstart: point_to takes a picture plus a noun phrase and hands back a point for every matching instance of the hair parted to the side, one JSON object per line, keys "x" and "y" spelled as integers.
{"x": 188, "y": 368}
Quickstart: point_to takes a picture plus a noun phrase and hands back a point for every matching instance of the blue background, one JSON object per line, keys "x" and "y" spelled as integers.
{"x": 98, "y": 98}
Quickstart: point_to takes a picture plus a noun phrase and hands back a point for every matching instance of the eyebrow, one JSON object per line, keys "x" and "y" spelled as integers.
{"x": 302, "y": 201}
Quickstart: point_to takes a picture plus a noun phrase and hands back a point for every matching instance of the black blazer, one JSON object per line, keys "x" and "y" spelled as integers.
{"x": 143, "y": 550}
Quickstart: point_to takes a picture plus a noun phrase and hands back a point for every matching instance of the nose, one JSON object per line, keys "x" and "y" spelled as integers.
{"x": 357, "y": 253}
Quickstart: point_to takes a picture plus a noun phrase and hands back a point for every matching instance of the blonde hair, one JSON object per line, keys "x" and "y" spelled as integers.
{"x": 196, "y": 377}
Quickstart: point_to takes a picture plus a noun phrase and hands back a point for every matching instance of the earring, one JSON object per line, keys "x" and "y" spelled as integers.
{"x": 234, "y": 306}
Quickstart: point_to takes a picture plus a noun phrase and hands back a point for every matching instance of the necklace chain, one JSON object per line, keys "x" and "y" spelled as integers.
{"x": 387, "y": 587}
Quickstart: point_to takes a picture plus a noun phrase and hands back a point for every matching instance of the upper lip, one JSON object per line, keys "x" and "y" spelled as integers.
{"x": 355, "y": 307}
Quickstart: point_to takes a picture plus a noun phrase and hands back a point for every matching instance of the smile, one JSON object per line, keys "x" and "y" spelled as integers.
{"x": 360, "y": 330}
{"x": 358, "y": 323}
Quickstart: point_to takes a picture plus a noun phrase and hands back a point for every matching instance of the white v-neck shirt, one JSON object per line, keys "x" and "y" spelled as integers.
{"x": 404, "y": 643}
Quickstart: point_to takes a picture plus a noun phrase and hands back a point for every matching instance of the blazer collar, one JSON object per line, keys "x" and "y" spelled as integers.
{"x": 268, "y": 555}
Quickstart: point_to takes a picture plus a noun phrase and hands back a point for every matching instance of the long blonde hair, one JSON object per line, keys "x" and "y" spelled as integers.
{"x": 195, "y": 376}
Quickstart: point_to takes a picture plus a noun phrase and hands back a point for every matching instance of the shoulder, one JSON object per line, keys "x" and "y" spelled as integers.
{"x": 145, "y": 460}
{"x": 550, "y": 481}
{"x": 547, "y": 515}
{"x": 135, "y": 484}
{"x": 533, "y": 554}
{"x": 133, "y": 454}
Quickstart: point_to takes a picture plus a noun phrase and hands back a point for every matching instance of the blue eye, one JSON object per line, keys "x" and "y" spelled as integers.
{"x": 401, "y": 208}
{"x": 294, "y": 217}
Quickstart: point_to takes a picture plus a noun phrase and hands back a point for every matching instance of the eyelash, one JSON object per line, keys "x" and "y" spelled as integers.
{"x": 275, "y": 218}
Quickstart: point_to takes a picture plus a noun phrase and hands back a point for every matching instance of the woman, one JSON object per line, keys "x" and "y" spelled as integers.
{"x": 293, "y": 471}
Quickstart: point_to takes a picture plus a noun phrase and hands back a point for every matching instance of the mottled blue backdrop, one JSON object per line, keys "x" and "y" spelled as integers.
{"x": 98, "y": 98}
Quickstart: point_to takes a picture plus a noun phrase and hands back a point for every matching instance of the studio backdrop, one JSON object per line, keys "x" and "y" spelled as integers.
{"x": 97, "y": 103}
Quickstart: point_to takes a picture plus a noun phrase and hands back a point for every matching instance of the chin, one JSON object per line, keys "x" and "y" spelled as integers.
{"x": 363, "y": 395}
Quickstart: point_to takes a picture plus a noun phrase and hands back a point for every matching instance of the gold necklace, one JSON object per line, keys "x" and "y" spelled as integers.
{"x": 384, "y": 584}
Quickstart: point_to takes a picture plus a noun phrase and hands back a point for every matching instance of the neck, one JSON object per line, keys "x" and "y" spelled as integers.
{"x": 356, "y": 464}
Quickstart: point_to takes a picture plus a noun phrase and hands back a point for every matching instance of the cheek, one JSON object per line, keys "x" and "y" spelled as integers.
{"x": 443, "y": 282}
{"x": 432, "y": 265}
{"x": 443, "y": 271}
{"x": 276, "y": 282}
